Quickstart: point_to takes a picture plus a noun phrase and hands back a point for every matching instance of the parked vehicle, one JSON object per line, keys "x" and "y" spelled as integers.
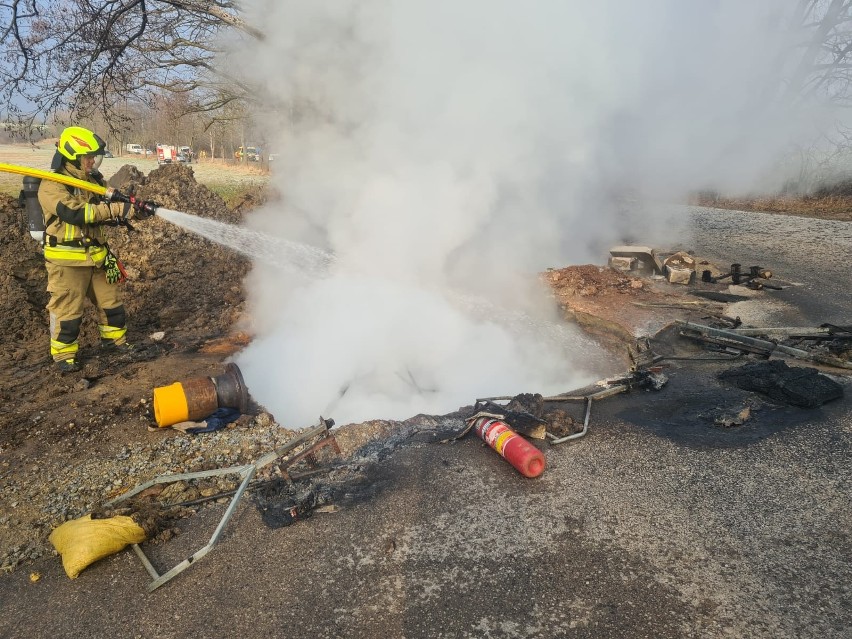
{"x": 166, "y": 154}
{"x": 252, "y": 153}
{"x": 134, "y": 148}
{"x": 108, "y": 154}
{"x": 184, "y": 154}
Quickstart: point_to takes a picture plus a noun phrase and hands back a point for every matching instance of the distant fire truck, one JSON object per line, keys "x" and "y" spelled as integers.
{"x": 166, "y": 154}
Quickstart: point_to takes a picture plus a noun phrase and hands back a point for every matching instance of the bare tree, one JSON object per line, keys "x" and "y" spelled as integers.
{"x": 95, "y": 55}
{"x": 823, "y": 58}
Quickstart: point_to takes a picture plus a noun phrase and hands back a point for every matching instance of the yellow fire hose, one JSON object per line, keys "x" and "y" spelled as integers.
{"x": 55, "y": 177}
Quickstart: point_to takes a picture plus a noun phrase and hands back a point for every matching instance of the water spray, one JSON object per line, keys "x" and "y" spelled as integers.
{"x": 293, "y": 257}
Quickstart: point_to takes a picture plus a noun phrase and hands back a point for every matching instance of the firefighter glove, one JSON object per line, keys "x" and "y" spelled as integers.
{"x": 113, "y": 269}
{"x": 144, "y": 209}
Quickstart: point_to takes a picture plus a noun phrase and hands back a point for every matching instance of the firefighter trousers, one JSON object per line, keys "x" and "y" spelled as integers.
{"x": 69, "y": 286}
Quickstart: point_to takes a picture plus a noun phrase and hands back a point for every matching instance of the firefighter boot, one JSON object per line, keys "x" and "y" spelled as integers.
{"x": 110, "y": 346}
{"x": 68, "y": 366}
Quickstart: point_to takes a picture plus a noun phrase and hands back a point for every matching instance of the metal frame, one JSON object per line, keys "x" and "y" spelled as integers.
{"x": 589, "y": 399}
{"x": 247, "y": 472}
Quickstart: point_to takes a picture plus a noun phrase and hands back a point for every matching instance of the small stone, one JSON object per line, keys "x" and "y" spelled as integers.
{"x": 264, "y": 420}
{"x": 729, "y": 421}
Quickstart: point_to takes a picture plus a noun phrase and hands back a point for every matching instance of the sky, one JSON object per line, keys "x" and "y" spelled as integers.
{"x": 445, "y": 153}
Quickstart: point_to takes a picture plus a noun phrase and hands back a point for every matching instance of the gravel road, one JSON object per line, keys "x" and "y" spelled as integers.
{"x": 814, "y": 254}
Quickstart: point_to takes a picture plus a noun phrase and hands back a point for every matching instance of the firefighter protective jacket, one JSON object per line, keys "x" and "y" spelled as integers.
{"x": 72, "y": 219}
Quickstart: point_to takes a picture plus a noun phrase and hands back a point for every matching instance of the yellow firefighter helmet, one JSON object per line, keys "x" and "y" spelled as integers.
{"x": 75, "y": 142}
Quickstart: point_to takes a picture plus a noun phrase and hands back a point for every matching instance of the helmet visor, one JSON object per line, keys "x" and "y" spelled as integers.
{"x": 98, "y": 159}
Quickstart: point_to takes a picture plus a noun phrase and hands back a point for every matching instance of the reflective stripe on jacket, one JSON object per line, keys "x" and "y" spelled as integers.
{"x": 74, "y": 235}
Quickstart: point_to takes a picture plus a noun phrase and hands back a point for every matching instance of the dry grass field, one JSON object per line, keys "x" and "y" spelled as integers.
{"x": 834, "y": 207}
{"x": 225, "y": 179}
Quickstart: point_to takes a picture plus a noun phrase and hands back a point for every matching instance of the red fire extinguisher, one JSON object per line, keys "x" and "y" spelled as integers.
{"x": 526, "y": 458}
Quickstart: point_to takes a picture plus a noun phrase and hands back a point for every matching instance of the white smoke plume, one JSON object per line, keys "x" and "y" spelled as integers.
{"x": 444, "y": 152}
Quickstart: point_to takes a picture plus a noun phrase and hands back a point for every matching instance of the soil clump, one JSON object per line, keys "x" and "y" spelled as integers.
{"x": 618, "y": 307}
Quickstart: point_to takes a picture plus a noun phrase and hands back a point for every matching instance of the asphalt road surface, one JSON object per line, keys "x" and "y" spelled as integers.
{"x": 659, "y": 523}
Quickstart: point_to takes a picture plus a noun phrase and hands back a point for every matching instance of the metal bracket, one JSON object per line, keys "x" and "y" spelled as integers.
{"x": 588, "y": 399}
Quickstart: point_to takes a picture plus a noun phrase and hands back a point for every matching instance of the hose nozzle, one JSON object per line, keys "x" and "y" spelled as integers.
{"x": 145, "y": 207}
{"x": 114, "y": 195}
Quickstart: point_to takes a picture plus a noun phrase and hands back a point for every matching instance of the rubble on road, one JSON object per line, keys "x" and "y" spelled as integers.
{"x": 797, "y": 386}
{"x": 679, "y": 268}
{"x": 621, "y": 303}
{"x": 642, "y": 259}
{"x": 764, "y": 347}
{"x": 729, "y": 420}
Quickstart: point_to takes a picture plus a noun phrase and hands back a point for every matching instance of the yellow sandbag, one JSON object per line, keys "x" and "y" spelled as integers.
{"x": 81, "y": 542}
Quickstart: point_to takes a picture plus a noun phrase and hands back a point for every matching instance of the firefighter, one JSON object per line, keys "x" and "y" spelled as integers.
{"x": 78, "y": 260}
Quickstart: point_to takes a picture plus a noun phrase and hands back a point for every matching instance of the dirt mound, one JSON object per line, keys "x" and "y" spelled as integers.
{"x": 173, "y": 186}
{"x": 588, "y": 280}
{"x": 125, "y": 176}
{"x": 179, "y": 282}
{"x": 616, "y": 306}
{"x": 22, "y": 290}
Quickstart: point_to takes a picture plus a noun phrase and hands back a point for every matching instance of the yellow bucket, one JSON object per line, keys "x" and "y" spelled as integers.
{"x": 170, "y": 405}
